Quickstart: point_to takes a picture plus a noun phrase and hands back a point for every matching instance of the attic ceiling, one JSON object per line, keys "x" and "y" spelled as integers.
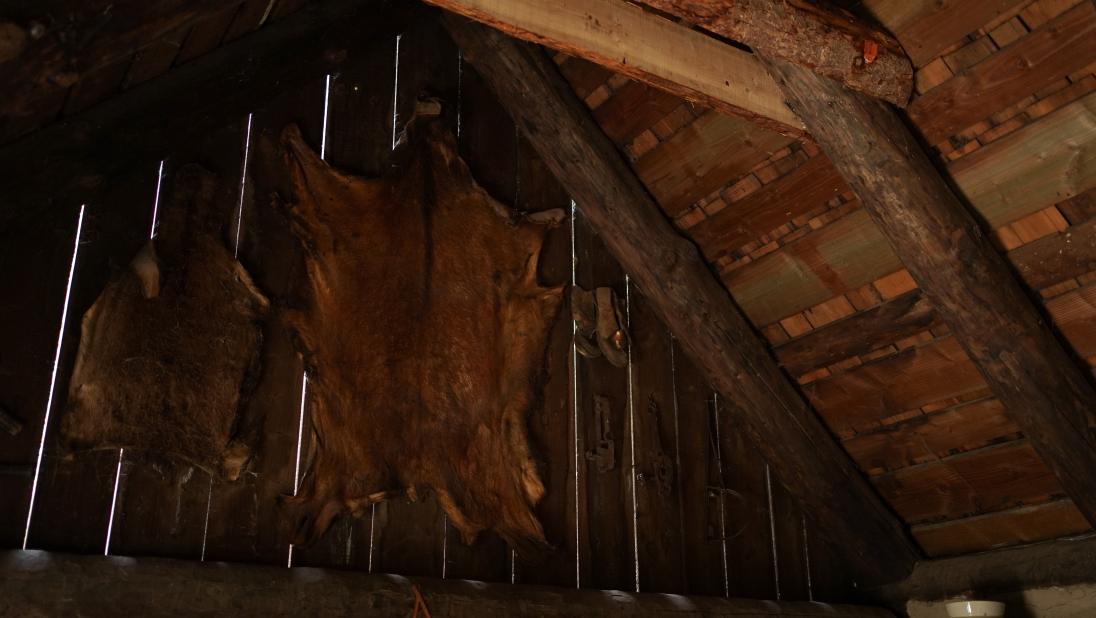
{"x": 1004, "y": 97}
{"x": 818, "y": 279}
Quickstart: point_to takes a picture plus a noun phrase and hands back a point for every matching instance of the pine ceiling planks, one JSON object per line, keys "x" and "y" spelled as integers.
{"x": 929, "y": 437}
{"x": 862, "y": 398}
{"x": 633, "y": 109}
{"x": 703, "y": 157}
{"x": 978, "y": 482}
{"x": 1043, "y": 163}
{"x": 927, "y": 27}
{"x": 1021, "y": 525}
{"x": 806, "y": 188}
{"x": 1059, "y": 48}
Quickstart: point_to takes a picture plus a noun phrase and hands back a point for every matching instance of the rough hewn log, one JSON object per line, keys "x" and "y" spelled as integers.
{"x": 689, "y": 299}
{"x": 1054, "y": 563}
{"x": 36, "y": 583}
{"x": 1049, "y": 260}
{"x": 645, "y": 47}
{"x": 904, "y": 316}
{"x": 72, "y": 160}
{"x": 960, "y": 271}
{"x": 824, "y": 40}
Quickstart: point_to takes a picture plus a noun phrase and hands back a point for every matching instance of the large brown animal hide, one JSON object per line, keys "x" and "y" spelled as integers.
{"x": 425, "y": 335}
{"x": 169, "y": 351}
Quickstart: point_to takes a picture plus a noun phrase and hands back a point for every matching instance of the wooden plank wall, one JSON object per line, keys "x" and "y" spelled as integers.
{"x": 686, "y": 507}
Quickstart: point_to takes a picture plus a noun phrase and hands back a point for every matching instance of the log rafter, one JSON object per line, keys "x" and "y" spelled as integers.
{"x": 629, "y": 40}
{"x": 690, "y": 300}
{"x": 970, "y": 284}
{"x": 827, "y": 41}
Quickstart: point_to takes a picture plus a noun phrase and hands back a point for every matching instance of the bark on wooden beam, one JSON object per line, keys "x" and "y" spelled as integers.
{"x": 72, "y": 159}
{"x": 1054, "y": 563}
{"x": 826, "y": 41}
{"x": 960, "y": 271}
{"x": 689, "y": 299}
{"x": 37, "y": 583}
{"x": 645, "y": 47}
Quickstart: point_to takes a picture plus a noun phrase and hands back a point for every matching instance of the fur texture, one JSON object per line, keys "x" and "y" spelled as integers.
{"x": 170, "y": 350}
{"x": 424, "y": 336}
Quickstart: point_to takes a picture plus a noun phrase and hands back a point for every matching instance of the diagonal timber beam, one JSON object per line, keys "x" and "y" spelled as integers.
{"x": 967, "y": 280}
{"x": 825, "y": 40}
{"x": 690, "y": 300}
{"x": 645, "y": 47}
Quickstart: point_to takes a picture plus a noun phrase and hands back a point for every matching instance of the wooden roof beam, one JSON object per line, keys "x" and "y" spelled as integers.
{"x": 690, "y": 300}
{"x": 827, "y": 41}
{"x": 967, "y": 280}
{"x": 39, "y": 583}
{"x": 645, "y": 47}
{"x": 1063, "y": 562}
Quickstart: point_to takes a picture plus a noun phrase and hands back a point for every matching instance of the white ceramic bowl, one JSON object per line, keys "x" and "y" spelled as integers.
{"x": 963, "y": 609}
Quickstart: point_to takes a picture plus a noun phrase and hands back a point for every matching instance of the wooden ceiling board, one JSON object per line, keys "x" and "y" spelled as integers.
{"x": 633, "y": 109}
{"x": 806, "y": 188}
{"x": 932, "y": 436}
{"x": 861, "y": 398}
{"x": 583, "y": 75}
{"x": 990, "y": 479}
{"x": 703, "y": 157}
{"x": 1074, "y": 313}
{"x": 1047, "y": 161}
{"x": 927, "y": 27}
{"x": 1059, "y": 48}
{"x": 1023, "y": 525}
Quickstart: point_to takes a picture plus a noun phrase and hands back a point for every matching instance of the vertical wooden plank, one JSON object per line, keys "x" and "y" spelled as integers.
{"x": 160, "y": 509}
{"x": 488, "y": 143}
{"x": 550, "y": 429}
{"x": 658, "y": 518}
{"x": 161, "y": 504}
{"x": 359, "y": 131}
{"x": 358, "y": 139}
{"x": 702, "y": 524}
{"x": 787, "y": 521}
{"x": 611, "y": 561}
{"x": 829, "y": 578}
{"x": 409, "y": 537}
{"x": 245, "y": 523}
{"x": 72, "y": 508}
{"x": 34, "y": 263}
{"x": 751, "y": 571}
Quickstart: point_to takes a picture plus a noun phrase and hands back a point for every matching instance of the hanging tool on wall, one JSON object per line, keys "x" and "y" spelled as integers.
{"x": 599, "y": 325}
{"x": 660, "y": 461}
{"x": 604, "y": 451}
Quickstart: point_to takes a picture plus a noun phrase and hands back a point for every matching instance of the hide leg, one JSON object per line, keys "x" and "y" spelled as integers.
{"x": 309, "y": 513}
